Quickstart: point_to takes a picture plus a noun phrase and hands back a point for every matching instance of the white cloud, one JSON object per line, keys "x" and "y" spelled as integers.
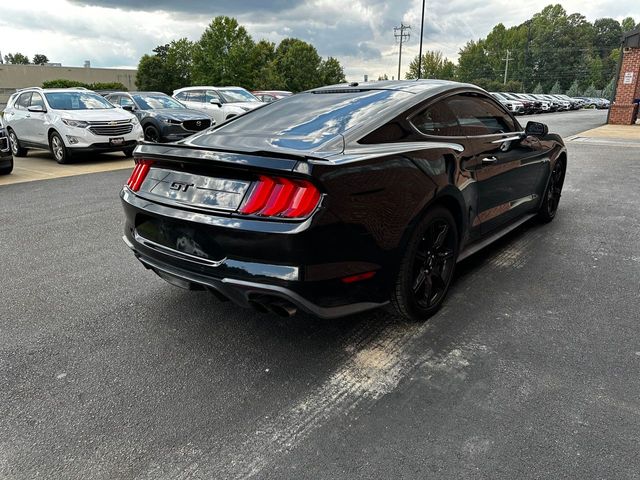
{"x": 358, "y": 32}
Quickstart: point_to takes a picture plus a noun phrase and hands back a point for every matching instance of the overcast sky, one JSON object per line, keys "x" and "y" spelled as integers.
{"x": 116, "y": 33}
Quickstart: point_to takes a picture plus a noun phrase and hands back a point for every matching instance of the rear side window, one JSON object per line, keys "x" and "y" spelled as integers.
{"x": 197, "y": 96}
{"x": 478, "y": 115}
{"x": 438, "y": 120}
{"x": 181, "y": 96}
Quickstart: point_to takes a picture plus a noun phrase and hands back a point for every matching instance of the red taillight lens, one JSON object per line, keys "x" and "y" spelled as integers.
{"x": 139, "y": 173}
{"x": 359, "y": 277}
{"x": 281, "y": 197}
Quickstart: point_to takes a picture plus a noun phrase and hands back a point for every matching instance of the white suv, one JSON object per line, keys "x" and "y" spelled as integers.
{"x": 66, "y": 121}
{"x": 220, "y": 103}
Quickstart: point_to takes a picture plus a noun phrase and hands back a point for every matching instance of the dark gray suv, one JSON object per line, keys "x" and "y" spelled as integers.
{"x": 163, "y": 118}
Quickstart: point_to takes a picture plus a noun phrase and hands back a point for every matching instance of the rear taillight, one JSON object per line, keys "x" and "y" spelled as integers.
{"x": 139, "y": 173}
{"x": 281, "y": 197}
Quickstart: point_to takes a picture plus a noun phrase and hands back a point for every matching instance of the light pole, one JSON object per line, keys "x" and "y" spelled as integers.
{"x": 421, "y": 33}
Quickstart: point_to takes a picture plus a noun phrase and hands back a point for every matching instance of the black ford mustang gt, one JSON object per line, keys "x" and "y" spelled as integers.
{"x": 342, "y": 198}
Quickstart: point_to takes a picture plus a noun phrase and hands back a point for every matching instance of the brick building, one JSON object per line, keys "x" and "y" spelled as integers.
{"x": 623, "y": 111}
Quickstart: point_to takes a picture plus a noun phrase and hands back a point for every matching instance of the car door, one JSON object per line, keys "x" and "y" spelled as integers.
{"x": 507, "y": 167}
{"x": 35, "y": 122}
{"x": 17, "y": 118}
{"x": 215, "y": 110}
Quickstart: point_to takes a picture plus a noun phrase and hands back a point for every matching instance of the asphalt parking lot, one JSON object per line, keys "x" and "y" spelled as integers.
{"x": 529, "y": 371}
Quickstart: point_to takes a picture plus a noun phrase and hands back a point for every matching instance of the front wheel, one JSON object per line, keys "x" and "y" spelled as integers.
{"x": 551, "y": 200}
{"x": 151, "y": 134}
{"x": 58, "y": 149}
{"x": 427, "y": 267}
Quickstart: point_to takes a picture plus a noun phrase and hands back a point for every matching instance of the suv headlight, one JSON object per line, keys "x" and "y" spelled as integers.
{"x": 134, "y": 120}
{"x": 75, "y": 123}
{"x": 171, "y": 121}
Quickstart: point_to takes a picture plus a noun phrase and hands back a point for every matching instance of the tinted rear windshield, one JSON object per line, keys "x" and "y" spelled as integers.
{"x": 315, "y": 114}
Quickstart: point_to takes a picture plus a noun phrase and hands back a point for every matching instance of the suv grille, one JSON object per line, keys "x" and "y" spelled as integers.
{"x": 111, "y": 128}
{"x": 196, "y": 125}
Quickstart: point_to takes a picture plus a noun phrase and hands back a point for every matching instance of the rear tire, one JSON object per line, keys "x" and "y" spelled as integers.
{"x": 16, "y": 149}
{"x": 58, "y": 149}
{"x": 551, "y": 200}
{"x": 426, "y": 270}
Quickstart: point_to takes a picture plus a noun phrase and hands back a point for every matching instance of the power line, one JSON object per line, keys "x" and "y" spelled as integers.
{"x": 399, "y": 33}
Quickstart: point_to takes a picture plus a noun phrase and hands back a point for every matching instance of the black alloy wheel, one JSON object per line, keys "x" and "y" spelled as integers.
{"x": 551, "y": 199}
{"x": 427, "y": 267}
{"x": 151, "y": 134}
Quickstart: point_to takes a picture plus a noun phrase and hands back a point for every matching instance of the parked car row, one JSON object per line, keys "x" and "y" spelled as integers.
{"x": 68, "y": 121}
{"x": 526, "y": 103}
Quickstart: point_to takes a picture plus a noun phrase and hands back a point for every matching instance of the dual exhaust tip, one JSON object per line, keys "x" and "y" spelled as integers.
{"x": 280, "y": 307}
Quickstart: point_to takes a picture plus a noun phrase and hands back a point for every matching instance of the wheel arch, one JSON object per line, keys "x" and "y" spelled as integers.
{"x": 450, "y": 198}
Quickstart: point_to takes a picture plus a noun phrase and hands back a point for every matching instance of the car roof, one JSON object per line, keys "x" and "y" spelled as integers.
{"x": 211, "y": 87}
{"x": 411, "y": 86}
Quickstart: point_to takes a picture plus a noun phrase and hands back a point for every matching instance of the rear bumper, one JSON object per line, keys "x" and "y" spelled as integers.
{"x": 260, "y": 262}
{"x": 245, "y": 293}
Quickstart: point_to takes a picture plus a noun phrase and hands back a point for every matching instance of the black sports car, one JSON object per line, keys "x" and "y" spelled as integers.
{"x": 163, "y": 119}
{"x": 342, "y": 198}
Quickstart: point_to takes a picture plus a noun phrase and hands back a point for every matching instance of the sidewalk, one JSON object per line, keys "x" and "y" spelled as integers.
{"x": 628, "y": 135}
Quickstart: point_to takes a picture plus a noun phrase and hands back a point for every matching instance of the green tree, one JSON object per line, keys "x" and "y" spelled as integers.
{"x": 608, "y": 90}
{"x": 556, "y": 89}
{"x": 179, "y": 63}
{"x": 40, "y": 59}
{"x": 298, "y": 63}
{"x": 263, "y": 67}
{"x": 16, "y": 58}
{"x": 152, "y": 74}
{"x": 434, "y": 65}
{"x": 628, "y": 24}
{"x": 331, "y": 71}
{"x": 538, "y": 88}
{"x": 220, "y": 57}
{"x": 574, "y": 89}
{"x": 63, "y": 83}
{"x": 473, "y": 63}
{"x": 591, "y": 91}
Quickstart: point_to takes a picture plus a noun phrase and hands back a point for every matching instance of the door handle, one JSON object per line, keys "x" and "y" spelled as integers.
{"x": 489, "y": 160}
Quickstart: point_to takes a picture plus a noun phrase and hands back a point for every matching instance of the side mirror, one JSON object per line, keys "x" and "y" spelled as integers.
{"x": 37, "y": 109}
{"x": 128, "y": 108}
{"x": 214, "y": 101}
{"x": 536, "y": 129}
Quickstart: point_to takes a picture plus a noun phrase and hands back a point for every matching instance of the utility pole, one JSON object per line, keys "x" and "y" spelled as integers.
{"x": 506, "y": 67}
{"x": 421, "y": 35}
{"x": 399, "y": 33}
